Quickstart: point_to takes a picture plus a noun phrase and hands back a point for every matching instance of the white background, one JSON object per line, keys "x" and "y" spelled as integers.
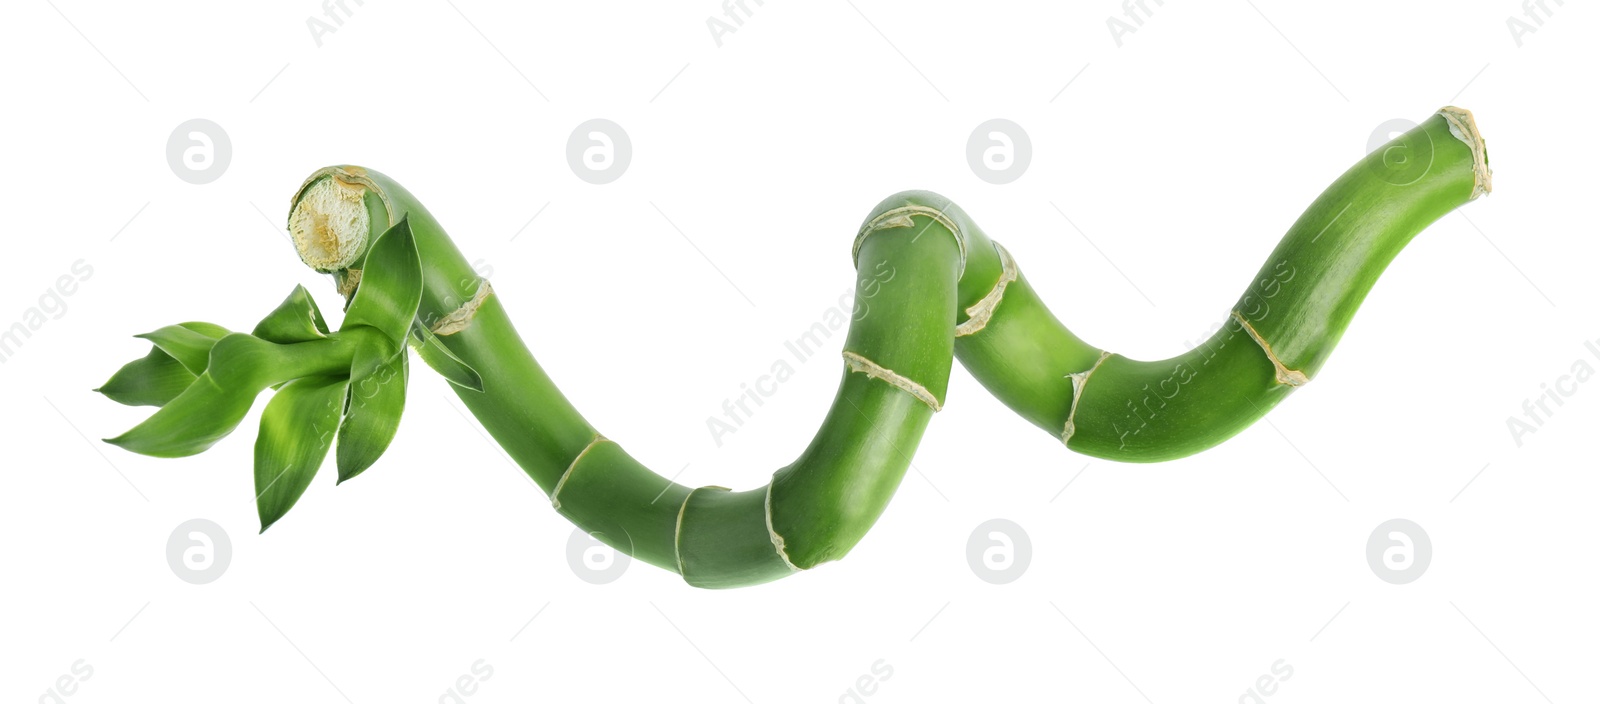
{"x": 1182, "y": 155}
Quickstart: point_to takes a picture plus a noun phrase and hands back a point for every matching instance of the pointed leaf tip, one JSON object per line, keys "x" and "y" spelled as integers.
{"x": 152, "y": 380}
{"x": 191, "y": 423}
{"x": 375, "y": 400}
{"x": 297, "y": 430}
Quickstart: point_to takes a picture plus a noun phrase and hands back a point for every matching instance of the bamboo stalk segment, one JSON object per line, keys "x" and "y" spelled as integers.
{"x": 931, "y": 288}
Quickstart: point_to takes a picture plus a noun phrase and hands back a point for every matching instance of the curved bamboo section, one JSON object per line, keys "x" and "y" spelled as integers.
{"x": 931, "y": 288}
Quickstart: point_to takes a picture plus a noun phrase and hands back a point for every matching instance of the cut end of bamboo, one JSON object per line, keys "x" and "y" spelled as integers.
{"x": 329, "y": 224}
{"x": 1464, "y": 128}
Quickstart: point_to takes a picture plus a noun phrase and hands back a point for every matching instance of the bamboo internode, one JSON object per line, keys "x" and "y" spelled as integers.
{"x": 952, "y": 294}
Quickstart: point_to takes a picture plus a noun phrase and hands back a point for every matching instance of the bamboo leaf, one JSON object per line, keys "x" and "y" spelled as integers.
{"x": 377, "y": 395}
{"x": 297, "y": 319}
{"x": 211, "y": 330}
{"x": 189, "y": 343}
{"x": 391, "y": 285}
{"x": 190, "y": 423}
{"x": 442, "y": 360}
{"x": 152, "y": 380}
{"x": 297, "y": 428}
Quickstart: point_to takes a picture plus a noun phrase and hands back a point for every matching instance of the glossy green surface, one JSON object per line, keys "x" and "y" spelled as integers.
{"x": 923, "y": 267}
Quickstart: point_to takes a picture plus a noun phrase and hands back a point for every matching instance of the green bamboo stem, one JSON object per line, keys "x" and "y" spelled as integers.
{"x": 931, "y": 287}
{"x": 1298, "y": 306}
